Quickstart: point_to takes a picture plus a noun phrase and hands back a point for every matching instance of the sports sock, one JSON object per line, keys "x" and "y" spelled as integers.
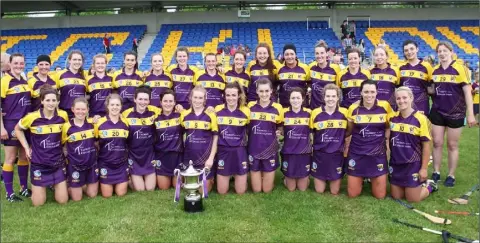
{"x": 22, "y": 169}
{"x": 8, "y": 178}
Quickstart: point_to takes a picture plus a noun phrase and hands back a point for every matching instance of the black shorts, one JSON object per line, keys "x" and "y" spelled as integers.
{"x": 439, "y": 120}
{"x": 475, "y": 109}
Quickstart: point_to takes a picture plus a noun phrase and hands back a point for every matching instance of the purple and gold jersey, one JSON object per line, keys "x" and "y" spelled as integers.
{"x": 126, "y": 85}
{"x": 16, "y": 97}
{"x": 406, "y": 137}
{"x": 232, "y": 126}
{"x": 98, "y": 89}
{"x": 213, "y": 84}
{"x": 320, "y": 77}
{"x": 182, "y": 82}
{"x": 417, "y": 78}
{"x": 369, "y": 126}
{"x": 169, "y": 133}
{"x": 242, "y": 78}
{"x": 34, "y": 84}
{"x": 70, "y": 86}
{"x": 262, "y": 138}
{"x": 290, "y": 78}
{"x": 296, "y": 130}
{"x": 350, "y": 85}
{"x": 199, "y": 131}
{"x": 141, "y": 127}
{"x": 387, "y": 79}
{"x": 158, "y": 84}
{"x": 449, "y": 99}
{"x": 45, "y": 137}
{"x": 329, "y": 130}
{"x": 80, "y": 144}
{"x": 112, "y": 139}
{"x": 257, "y": 72}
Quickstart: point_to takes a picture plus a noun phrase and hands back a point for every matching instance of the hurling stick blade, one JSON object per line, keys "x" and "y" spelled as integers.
{"x": 434, "y": 219}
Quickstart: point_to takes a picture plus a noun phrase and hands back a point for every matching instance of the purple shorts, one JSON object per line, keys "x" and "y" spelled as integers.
{"x": 232, "y": 161}
{"x": 296, "y": 165}
{"x": 264, "y": 165}
{"x": 166, "y": 162}
{"x": 405, "y": 175}
{"x": 327, "y": 166}
{"x": 43, "y": 177}
{"x": 113, "y": 174}
{"x": 366, "y": 166}
{"x": 140, "y": 161}
{"x": 79, "y": 178}
{"x": 12, "y": 139}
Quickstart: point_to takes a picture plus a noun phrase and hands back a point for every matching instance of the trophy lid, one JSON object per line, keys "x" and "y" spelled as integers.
{"x": 191, "y": 171}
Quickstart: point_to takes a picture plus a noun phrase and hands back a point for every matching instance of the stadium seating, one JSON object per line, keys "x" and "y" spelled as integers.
{"x": 463, "y": 34}
{"x": 208, "y": 37}
{"x": 60, "y": 41}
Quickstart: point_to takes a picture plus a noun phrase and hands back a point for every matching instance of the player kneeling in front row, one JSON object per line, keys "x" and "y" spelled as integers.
{"x": 410, "y": 150}
{"x": 46, "y": 153}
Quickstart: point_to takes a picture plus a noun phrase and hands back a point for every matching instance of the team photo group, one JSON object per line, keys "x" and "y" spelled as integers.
{"x": 80, "y": 132}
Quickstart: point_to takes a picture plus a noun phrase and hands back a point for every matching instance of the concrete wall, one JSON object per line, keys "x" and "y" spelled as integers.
{"x": 155, "y": 20}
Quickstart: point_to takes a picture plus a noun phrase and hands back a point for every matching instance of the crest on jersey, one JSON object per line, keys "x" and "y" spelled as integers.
{"x": 103, "y": 172}
{"x": 345, "y": 83}
{"x": 352, "y": 163}
{"x": 339, "y": 170}
{"x": 358, "y": 118}
{"x": 320, "y": 125}
{"x": 380, "y": 167}
{"x": 37, "y": 173}
{"x": 39, "y": 130}
{"x": 71, "y": 138}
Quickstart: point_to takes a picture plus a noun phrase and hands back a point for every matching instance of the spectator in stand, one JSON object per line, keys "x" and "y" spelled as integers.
{"x": 220, "y": 49}
{"x": 226, "y": 50}
{"x": 331, "y": 53}
{"x": 344, "y": 27}
{"x": 106, "y": 44}
{"x": 347, "y": 43}
{"x": 361, "y": 48}
{"x": 248, "y": 51}
{"x": 352, "y": 29}
{"x": 135, "y": 45}
{"x": 233, "y": 50}
{"x": 240, "y": 48}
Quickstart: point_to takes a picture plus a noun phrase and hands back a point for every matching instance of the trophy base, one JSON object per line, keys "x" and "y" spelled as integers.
{"x": 193, "y": 206}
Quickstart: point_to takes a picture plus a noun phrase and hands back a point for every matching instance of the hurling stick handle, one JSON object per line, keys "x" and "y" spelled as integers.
{"x": 451, "y": 212}
{"x": 432, "y": 218}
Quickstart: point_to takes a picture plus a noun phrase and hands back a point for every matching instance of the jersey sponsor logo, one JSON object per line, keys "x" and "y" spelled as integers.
{"x": 24, "y": 101}
{"x": 47, "y": 143}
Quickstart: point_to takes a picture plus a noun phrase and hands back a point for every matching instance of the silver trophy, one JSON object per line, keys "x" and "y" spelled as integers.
{"x": 191, "y": 180}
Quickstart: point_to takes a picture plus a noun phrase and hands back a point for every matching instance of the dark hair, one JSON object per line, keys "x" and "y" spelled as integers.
{"x": 366, "y": 82}
{"x": 264, "y": 81}
{"x": 209, "y": 54}
{"x": 299, "y": 90}
{"x": 167, "y": 92}
{"x": 269, "y": 65}
{"x": 47, "y": 89}
{"x": 16, "y": 55}
{"x": 354, "y": 50}
{"x": 242, "y": 98}
{"x": 408, "y": 42}
{"x": 181, "y": 48}
{"x": 80, "y": 70}
{"x": 133, "y": 54}
{"x": 143, "y": 89}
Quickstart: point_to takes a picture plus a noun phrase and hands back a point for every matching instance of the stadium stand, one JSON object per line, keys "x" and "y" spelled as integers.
{"x": 58, "y": 42}
{"x": 207, "y": 37}
{"x": 463, "y": 34}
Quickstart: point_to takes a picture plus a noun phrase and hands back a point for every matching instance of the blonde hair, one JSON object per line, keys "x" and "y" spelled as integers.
{"x": 446, "y": 44}
{"x": 406, "y": 89}
{"x": 110, "y": 97}
{"x": 333, "y": 87}
{"x": 322, "y": 43}
{"x": 80, "y": 100}
{"x": 199, "y": 88}
{"x": 99, "y": 56}
{"x": 157, "y": 54}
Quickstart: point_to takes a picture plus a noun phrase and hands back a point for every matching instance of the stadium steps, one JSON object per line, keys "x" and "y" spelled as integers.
{"x": 457, "y": 40}
{"x": 144, "y": 46}
{"x": 170, "y": 45}
{"x": 474, "y": 30}
{"x": 264, "y": 35}
{"x": 13, "y": 40}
